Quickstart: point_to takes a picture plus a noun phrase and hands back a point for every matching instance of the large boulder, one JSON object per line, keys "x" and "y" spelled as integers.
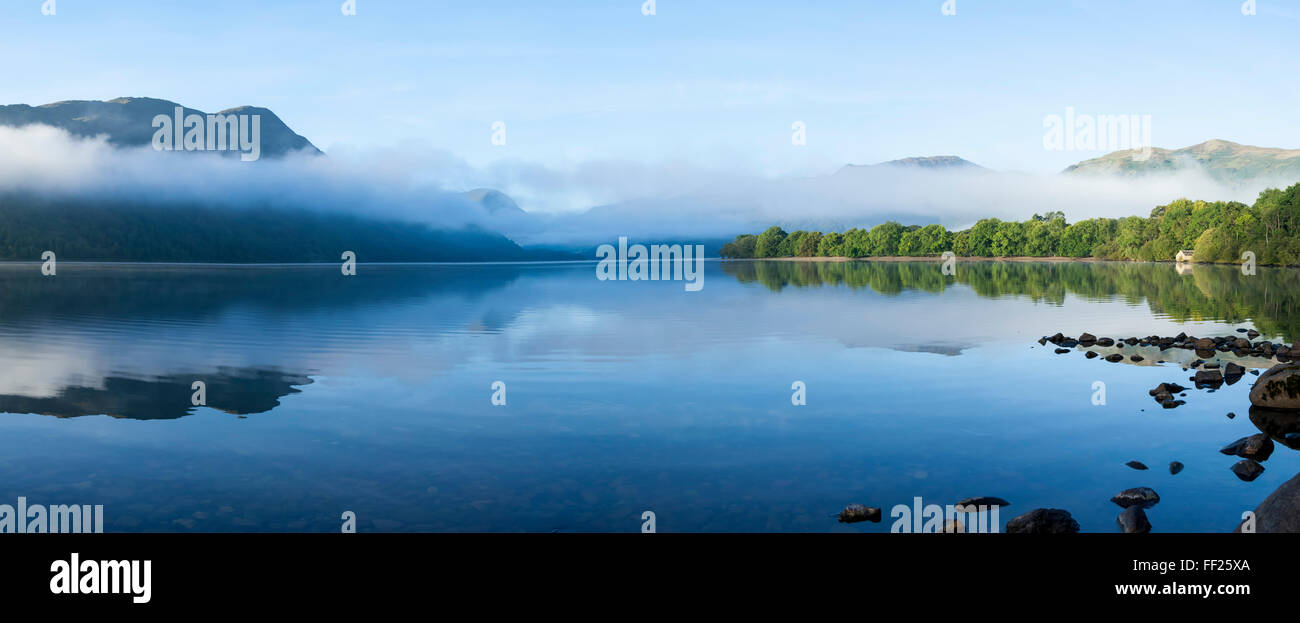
{"x": 1043, "y": 521}
{"x": 1280, "y": 511}
{"x": 1278, "y": 388}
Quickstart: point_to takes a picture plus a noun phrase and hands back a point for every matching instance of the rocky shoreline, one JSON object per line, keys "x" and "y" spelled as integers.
{"x": 1215, "y": 362}
{"x": 1205, "y": 348}
{"x": 1274, "y": 398}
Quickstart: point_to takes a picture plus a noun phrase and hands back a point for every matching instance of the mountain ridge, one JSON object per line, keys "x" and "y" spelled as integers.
{"x": 128, "y": 121}
{"x": 918, "y": 162}
{"x": 1223, "y": 160}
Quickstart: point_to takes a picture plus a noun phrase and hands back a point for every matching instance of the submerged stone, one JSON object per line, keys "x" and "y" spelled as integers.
{"x": 1043, "y": 521}
{"x": 1146, "y": 497}
{"x": 1133, "y": 521}
{"x": 854, "y": 513}
{"x": 1247, "y": 469}
{"x": 975, "y": 503}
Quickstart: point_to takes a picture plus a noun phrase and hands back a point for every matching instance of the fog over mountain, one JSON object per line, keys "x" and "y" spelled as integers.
{"x": 49, "y": 161}
{"x": 676, "y": 203}
{"x": 128, "y": 121}
{"x": 101, "y": 151}
{"x": 97, "y": 198}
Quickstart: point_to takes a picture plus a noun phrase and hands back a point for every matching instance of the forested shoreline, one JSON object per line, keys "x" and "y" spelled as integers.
{"x": 1219, "y": 231}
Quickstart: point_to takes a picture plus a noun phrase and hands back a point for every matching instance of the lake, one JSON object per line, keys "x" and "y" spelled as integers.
{"x": 374, "y": 394}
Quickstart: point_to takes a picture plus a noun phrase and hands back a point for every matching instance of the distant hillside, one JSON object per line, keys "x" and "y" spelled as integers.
{"x": 122, "y": 231}
{"x": 128, "y": 121}
{"x": 494, "y": 201}
{"x": 1223, "y": 160}
{"x": 920, "y": 162}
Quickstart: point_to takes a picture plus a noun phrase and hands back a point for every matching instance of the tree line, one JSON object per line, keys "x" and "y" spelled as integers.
{"x": 1218, "y": 231}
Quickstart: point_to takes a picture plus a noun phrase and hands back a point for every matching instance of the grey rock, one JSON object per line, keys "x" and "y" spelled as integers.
{"x": 1280, "y": 511}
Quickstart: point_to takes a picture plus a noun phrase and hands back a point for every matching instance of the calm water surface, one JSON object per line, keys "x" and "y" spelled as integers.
{"x": 372, "y": 394}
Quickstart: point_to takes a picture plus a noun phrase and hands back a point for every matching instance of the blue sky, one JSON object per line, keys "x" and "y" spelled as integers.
{"x": 714, "y": 84}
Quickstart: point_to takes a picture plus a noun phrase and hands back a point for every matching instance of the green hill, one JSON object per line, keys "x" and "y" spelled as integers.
{"x": 1224, "y": 161}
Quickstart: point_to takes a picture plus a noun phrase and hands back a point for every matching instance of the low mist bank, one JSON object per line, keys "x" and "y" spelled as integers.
{"x": 411, "y": 184}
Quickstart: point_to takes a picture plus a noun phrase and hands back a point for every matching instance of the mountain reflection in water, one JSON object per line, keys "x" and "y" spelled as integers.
{"x": 372, "y": 393}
